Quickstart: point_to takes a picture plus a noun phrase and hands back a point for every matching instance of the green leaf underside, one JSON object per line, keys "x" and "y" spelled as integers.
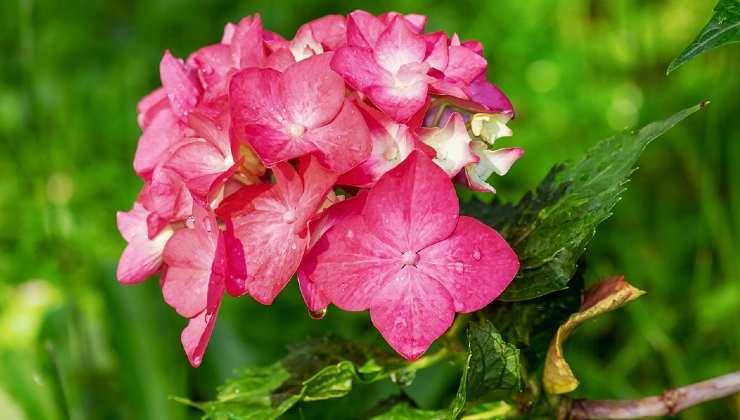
{"x": 316, "y": 370}
{"x": 723, "y": 28}
{"x": 493, "y": 369}
{"x": 551, "y": 226}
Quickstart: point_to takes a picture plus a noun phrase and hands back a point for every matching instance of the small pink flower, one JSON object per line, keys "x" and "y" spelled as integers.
{"x": 410, "y": 259}
{"x": 452, "y": 145}
{"x": 143, "y": 254}
{"x": 270, "y": 225}
{"x": 194, "y": 281}
{"x": 391, "y": 142}
{"x": 302, "y": 110}
{"x": 385, "y": 62}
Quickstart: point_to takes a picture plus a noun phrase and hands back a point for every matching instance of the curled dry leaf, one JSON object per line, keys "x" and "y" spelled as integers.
{"x": 606, "y": 295}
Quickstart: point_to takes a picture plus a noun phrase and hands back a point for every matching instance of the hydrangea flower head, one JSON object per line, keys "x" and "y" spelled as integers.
{"x": 331, "y": 157}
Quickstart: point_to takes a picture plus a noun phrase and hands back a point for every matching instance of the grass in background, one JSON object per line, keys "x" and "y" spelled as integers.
{"x": 76, "y": 345}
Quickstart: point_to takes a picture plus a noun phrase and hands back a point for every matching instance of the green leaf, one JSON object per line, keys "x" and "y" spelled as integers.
{"x": 493, "y": 369}
{"x": 404, "y": 411}
{"x": 315, "y": 370}
{"x": 723, "y": 28}
{"x": 550, "y": 227}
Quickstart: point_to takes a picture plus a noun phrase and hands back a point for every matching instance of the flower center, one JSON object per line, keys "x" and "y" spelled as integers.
{"x": 409, "y": 258}
{"x": 296, "y": 130}
{"x": 289, "y": 216}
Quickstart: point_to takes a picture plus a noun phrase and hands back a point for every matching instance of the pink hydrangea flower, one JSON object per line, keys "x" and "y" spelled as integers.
{"x": 246, "y": 141}
{"x": 301, "y": 111}
{"x": 410, "y": 259}
{"x": 270, "y": 223}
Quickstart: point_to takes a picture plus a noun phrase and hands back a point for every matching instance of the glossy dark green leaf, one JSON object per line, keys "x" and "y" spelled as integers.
{"x": 723, "y": 28}
{"x": 492, "y": 371}
{"x": 550, "y": 227}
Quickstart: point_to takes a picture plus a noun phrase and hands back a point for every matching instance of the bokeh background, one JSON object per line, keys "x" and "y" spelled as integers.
{"x": 76, "y": 345}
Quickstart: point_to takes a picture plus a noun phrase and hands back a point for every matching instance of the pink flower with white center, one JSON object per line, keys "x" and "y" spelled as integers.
{"x": 302, "y": 110}
{"x": 452, "y": 144}
{"x": 194, "y": 281}
{"x": 385, "y": 64}
{"x": 270, "y": 223}
{"x": 391, "y": 142}
{"x": 142, "y": 256}
{"x": 410, "y": 259}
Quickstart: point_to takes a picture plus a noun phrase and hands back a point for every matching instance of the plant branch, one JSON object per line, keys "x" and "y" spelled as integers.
{"x": 669, "y": 403}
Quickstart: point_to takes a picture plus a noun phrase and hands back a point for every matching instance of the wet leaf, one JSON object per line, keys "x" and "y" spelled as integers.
{"x": 550, "y": 227}
{"x": 723, "y": 28}
{"x": 319, "y": 369}
{"x": 404, "y": 411}
{"x": 607, "y": 295}
{"x": 493, "y": 369}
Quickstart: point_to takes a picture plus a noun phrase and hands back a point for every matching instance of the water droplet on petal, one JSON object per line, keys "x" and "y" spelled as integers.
{"x": 459, "y": 267}
{"x": 476, "y": 255}
{"x": 190, "y": 222}
{"x": 320, "y": 314}
{"x": 197, "y": 360}
{"x": 293, "y": 246}
{"x": 350, "y": 234}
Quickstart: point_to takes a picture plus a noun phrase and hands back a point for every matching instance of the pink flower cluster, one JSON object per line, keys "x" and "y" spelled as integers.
{"x": 331, "y": 156}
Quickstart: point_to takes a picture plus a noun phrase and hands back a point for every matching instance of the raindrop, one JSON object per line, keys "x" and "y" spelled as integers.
{"x": 190, "y": 222}
{"x": 459, "y": 267}
{"x": 293, "y": 246}
{"x": 476, "y": 255}
{"x": 197, "y": 360}
{"x": 350, "y": 234}
{"x": 403, "y": 378}
{"x": 320, "y": 314}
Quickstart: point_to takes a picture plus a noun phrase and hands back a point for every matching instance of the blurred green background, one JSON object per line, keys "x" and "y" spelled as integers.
{"x": 76, "y": 345}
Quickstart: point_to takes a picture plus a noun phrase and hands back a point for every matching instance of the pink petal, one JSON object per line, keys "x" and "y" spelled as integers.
{"x": 350, "y": 265}
{"x": 214, "y": 64}
{"x": 272, "y": 249}
{"x": 391, "y": 143}
{"x": 142, "y": 257}
{"x": 465, "y": 65}
{"x": 189, "y": 256}
{"x": 316, "y": 182}
{"x": 196, "y": 335}
{"x": 412, "y": 206}
{"x": 398, "y": 45}
{"x": 181, "y": 83}
{"x": 155, "y": 143}
{"x": 411, "y": 311}
{"x": 400, "y": 103}
{"x": 363, "y": 29}
{"x": 503, "y": 159}
{"x": 345, "y": 142}
{"x": 330, "y": 31}
{"x": 311, "y": 92}
{"x": 452, "y": 144}
{"x": 200, "y": 164}
{"x": 150, "y": 105}
{"x": 417, "y": 22}
{"x": 487, "y": 94}
{"x": 236, "y": 279}
{"x": 314, "y": 299}
{"x": 247, "y": 48}
{"x": 475, "y": 264}
{"x": 359, "y": 69}
{"x": 167, "y": 195}
{"x": 438, "y": 57}
{"x": 280, "y": 60}
{"x": 491, "y": 161}
{"x": 258, "y": 116}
